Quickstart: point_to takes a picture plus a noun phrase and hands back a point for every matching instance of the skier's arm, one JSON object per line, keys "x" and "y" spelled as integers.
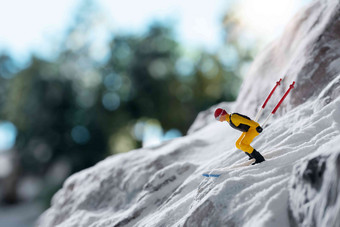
{"x": 237, "y": 120}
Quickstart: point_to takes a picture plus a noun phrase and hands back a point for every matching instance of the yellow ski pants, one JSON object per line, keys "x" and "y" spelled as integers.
{"x": 243, "y": 143}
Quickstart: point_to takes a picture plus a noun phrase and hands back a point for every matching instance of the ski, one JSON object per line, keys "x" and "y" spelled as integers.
{"x": 211, "y": 175}
{"x": 258, "y": 115}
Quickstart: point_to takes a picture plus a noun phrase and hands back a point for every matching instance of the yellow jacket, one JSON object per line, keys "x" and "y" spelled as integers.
{"x": 241, "y": 122}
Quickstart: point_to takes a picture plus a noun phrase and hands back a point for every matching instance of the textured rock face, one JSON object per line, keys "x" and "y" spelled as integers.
{"x": 99, "y": 195}
{"x": 315, "y": 189}
{"x": 308, "y": 53}
{"x": 298, "y": 184}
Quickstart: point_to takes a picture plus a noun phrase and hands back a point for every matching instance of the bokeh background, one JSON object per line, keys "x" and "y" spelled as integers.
{"x": 81, "y": 80}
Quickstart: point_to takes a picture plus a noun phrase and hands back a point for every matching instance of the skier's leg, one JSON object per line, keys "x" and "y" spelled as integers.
{"x": 238, "y": 142}
{"x": 238, "y": 145}
{"x": 245, "y": 145}
{"x": 248, "y": 137}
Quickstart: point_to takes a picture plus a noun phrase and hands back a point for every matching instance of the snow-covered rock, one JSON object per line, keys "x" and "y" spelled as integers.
{"x": 315, "y": 188}
{"x": 298, "y": 184}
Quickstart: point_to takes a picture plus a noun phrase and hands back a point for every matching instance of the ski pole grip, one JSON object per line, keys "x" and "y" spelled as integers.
{"x": 271, "y": 93}
{"x": 279, "y": 82}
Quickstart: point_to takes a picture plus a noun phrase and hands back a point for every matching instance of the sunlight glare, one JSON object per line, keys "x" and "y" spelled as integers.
{"x": 265, "y": 18}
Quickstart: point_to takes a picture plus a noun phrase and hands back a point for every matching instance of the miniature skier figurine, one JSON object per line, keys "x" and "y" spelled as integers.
{"x": 250, "y": 130}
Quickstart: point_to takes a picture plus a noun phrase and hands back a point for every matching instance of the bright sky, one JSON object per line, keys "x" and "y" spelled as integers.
{"x": 198, "y": 21}
{"x": 27, "y": 26}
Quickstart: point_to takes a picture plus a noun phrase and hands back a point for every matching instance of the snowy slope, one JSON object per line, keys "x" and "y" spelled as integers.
{"x": 164, "y": 186}
{"x": 297, "y": 185}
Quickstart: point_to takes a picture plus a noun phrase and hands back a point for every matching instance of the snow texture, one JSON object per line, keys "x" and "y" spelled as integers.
{"x": 316, "y": 186}
{"x": 297, "y": 185}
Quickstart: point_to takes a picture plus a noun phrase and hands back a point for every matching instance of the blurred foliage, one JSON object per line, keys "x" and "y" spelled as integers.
{"x": 74, "y": 111}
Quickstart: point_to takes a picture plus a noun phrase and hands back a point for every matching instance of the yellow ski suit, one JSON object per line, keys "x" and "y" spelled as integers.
{"x": 248, "y": 126}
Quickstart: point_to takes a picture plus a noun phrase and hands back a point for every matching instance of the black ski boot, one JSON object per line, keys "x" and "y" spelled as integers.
{"x": 258, "y": 157}
{"x": 250, "y": 156}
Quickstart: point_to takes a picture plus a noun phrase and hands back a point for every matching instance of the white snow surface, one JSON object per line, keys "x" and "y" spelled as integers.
{"x": 163, "y": 186}
{"x": 297, "y": 185}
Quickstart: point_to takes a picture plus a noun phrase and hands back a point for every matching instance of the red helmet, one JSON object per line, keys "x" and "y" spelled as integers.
{"x": 219, "y": 112}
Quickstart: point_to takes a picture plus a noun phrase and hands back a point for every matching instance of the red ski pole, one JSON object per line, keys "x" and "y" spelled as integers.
{"x": 267, "y": 99}
{"x": 283, "y": 98}
{"x": 279, "y": 103}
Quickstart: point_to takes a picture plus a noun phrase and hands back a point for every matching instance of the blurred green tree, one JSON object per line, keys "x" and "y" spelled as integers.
{"x": 52, "y": 129}
{"x": 149, "y": 77}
